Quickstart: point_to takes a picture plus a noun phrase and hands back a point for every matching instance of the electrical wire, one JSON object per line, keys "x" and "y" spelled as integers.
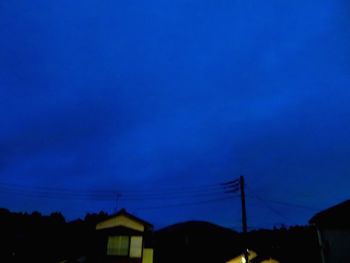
{"x": 283, "y": 203}
{"x": 173, "y": 193}
{"x": 185, "y": 204}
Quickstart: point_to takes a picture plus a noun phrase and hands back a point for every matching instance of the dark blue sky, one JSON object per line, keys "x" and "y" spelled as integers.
{"x": 162, "y": 99}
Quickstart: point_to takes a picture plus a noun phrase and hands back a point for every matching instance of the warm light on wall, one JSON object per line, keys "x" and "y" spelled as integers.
{"x": 136, "y": 247}
{"x": 118, "y": 246}
{"x": 241, "y": 259}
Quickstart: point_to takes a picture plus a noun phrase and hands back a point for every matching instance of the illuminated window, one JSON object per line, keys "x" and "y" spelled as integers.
{"x": 136, "y": 247}
{"x": 118, "y": 246}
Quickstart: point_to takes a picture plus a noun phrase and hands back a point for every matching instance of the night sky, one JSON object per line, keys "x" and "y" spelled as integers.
{"x": 161, "y": 101}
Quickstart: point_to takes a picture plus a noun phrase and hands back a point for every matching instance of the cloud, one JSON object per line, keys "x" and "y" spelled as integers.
{"x": 120, "y": 94}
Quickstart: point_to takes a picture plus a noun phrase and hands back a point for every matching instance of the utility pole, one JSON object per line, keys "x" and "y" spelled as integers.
{"x": 244, "y": 218}
{"x": 233, "y": 187}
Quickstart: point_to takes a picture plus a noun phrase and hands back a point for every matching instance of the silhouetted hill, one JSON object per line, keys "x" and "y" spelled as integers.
{"x": 196, "y": 241}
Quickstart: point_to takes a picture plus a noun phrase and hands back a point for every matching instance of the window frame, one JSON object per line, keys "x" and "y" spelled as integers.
{"x": 113, "y": 247}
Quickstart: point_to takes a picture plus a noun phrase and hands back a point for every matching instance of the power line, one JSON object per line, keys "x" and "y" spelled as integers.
{"x": 274, "y": 211}
{"x": 143, "y": 192}
{"x": 185, "y": 204}
{"x": 161, "y": 193}
{"x": 283, "y": 203}
{"x": 211, "y": 191}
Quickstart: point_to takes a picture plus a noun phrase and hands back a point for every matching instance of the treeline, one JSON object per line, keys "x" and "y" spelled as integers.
{"x": 37, "y": 238}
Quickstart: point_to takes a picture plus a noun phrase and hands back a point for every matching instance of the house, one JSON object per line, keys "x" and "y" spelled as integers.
{"x": 253, "y": 258}
{"x": 333, "y": 229}
{"x": 241, "y": 259}
{"x": 124, "y": 238}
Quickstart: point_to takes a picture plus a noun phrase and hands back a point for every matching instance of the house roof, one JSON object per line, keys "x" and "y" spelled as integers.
{"x": 335, "y": 216}
{"x": 124, "y": 213}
